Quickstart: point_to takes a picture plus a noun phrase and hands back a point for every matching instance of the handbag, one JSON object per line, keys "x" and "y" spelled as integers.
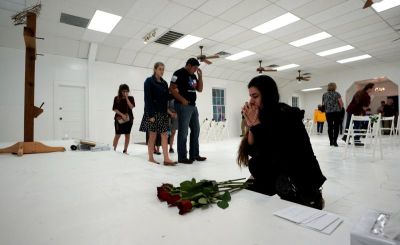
{"x": 120, "y": 120}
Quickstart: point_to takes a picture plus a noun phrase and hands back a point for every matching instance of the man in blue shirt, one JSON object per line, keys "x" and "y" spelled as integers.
{"x": 184, "y": 85}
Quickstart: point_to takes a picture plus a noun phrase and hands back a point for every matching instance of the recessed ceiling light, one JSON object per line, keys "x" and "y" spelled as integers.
{"x": 385, "y": 4}
{"x": 311, "y": 89}
{"x": 361, "y": 57}
{"x": 276, "y": 23}
{"x": 335, "y": 50}
{"x": 103, "y": 21}
{"x": 311, "y": 39}
{"x": 240, "y": 55}
{"x": 185, "y": 41}
{"x": 285, "y": 67}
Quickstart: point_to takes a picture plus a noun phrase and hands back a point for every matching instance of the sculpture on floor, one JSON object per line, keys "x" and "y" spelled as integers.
{"x": 28, "y": 17}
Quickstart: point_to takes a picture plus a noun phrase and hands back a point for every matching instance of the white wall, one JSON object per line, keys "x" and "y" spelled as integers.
{"x": 49, "y": 69}
{"x": 311, "y": 100}
{"x": 104, "y": 81}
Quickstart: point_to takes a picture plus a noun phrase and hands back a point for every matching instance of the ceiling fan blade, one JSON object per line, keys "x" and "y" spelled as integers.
{"x": 307, "y": 73}
{"x": 269, "y": 69}
{"x": 273, "y": 66}
{"x": 306, "y": 79}
{"x": 368, "y": 4}
{"x": 212, "y": 56}
{"x": 207, "y": 61}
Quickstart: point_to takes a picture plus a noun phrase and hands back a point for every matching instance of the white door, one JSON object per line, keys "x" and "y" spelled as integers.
{"x": 70, "y": 111}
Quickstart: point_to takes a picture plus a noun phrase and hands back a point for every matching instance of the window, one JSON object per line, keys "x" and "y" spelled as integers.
{"x": 218, "y": 102}
{"x": 295, "y": 101}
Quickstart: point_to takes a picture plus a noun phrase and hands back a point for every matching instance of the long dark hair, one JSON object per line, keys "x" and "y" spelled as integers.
{"x": 368, "y": 86}
{"x": 270, "y": 101}
{"x": 121, "y": 88}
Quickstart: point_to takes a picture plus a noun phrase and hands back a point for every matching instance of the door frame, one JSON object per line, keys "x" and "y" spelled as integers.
{"x": 56, "y": 94}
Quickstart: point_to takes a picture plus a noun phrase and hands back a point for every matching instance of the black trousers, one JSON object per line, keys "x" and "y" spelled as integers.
{"x": 334, "y": 121}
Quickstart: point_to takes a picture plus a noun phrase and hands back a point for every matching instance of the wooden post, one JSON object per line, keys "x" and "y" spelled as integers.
{"x": 29, "y": 146}
{"x": 30, "y": 58}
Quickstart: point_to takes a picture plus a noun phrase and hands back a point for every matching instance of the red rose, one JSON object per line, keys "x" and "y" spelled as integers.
{"x": 163, "y": 194}
{"x": 167, "y": 186}
{"x": 184, "y": 206}
{"x": 173, "y": 199}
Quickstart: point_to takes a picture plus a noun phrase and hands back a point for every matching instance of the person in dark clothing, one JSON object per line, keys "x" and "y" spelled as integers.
{"x": 341, "y": 116}
{"x": 389, "y": 110}
{"x": 123, "y": 118}
{"x": 277, "y": 148}
{"x": 357, "y": 107}
{"x": 333, "y": 103}
{"x": 184, "y": 87}
{"x": 155, "y": 117}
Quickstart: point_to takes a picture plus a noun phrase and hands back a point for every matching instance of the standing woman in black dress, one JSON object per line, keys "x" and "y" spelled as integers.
{"x": 123, "y": 119}
{"x": 155, "y": 117}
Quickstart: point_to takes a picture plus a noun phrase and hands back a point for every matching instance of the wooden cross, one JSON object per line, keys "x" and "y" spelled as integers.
{"x": 30, "y": 111}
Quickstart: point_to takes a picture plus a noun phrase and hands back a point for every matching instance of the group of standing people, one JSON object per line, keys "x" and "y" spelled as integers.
{"x": 166, "y": 108}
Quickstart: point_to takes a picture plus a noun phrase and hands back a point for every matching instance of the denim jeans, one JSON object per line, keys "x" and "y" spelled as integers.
{"x": 188, "y": 117}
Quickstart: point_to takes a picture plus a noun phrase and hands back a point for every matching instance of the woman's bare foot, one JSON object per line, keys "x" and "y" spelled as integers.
{"x": 153, "y": 161}
{"x": 170, "y": 163}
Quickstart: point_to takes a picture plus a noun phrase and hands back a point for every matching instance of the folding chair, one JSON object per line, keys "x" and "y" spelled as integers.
{"x": 362, "y": 127}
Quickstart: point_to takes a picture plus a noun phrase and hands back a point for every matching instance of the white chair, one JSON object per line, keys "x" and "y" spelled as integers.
{"x": 390, "y": 128}
{"x": 396, "y": 132}
{"x": 309, "y": 125}
{"x": 212, "y": 134}
{"x": 225, "y": 130}
{"x": 204, "y": 129}
{"x": 368, "y": 130}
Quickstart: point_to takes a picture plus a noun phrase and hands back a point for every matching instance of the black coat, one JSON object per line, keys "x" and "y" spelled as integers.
{"x": 282, "y": 147}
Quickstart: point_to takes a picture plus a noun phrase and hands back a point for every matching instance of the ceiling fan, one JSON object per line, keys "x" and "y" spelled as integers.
{"x": 203, "y": 58}
{"x": 303, "y": 77}
{"x": 260, "y": 69}
{"x": 368, "y": 4}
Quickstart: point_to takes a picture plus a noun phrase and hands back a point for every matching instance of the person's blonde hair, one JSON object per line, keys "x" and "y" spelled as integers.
{"x": 158, "y": 64}
{"x": 331, "y": 86}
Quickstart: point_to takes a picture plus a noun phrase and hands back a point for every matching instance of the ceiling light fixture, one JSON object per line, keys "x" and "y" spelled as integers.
{"x": 186, "y": 41}
{"x": 311, "y": 39}
{"x": 103, "y": 21}
{"x": 385, "y": 4}
{"x": 361, "y": 57}
{"x": 276, "y": 23}
{"x": 240, "y": 55}
{"x": 285, "y": 67}
{"x": 149, "y": 35}
{"x": 335, "y": 50}
{"x": 311, "y": 89}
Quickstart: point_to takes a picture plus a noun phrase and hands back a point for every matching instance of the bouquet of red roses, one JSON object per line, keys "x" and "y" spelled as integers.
{"x": 192, "y": 194}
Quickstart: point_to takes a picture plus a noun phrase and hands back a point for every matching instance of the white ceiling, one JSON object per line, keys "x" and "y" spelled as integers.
{"x": 224, "y": 25}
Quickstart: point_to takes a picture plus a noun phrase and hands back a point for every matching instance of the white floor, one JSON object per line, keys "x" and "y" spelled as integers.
{"x": 110, "y": 198}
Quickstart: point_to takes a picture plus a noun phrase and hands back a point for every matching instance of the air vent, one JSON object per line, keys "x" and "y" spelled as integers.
{"x": 74, "y": 20}
{"x": 169, "y": 38}
{"x": 223, "y": 53}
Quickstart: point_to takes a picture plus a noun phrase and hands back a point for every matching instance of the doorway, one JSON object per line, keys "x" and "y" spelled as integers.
{"x": 70, "y": 111}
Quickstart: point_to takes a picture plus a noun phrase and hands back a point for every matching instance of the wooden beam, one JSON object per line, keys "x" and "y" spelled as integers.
{"x": 30, "y": 58}
{"x": 30, "y": 39}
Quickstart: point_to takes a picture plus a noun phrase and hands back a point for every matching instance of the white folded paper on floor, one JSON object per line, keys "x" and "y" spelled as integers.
{"x": 311, "y": 218}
